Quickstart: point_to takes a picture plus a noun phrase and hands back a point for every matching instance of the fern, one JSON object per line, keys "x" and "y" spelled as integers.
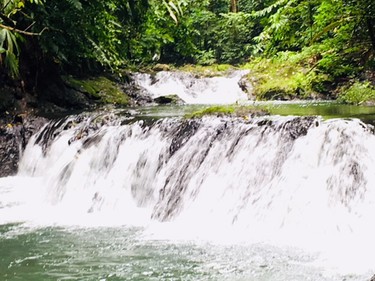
{"x": 174, "y": 9}
{"x": 268, "y": 10}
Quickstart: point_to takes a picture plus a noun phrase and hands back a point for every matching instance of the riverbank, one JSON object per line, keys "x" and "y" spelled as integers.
{"x": 284, "y": 78}
{"x": 291, "y": 76}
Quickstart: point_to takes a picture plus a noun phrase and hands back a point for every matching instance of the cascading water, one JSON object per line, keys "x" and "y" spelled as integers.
{"x": 193, "y": 90}
{"x": 284, "y": 181}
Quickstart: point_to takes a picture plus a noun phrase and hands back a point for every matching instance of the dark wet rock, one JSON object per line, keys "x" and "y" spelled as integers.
{"x": 246, "y": 87}
{"x": 182, "y": 133}
{"x": 299, "y": 126}
{"x": 85, "y": 126}
{"x": 138, "y": 95}
{"x": 7, "y": 99}
{"x": 293, "y": 128}
{"x": 13, "y": 139}
{"x": 169, "y": 99}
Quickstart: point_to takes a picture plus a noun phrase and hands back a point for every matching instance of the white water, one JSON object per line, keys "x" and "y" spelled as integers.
{"x": 286, "y": 181}
{"x": 192, "y": 90}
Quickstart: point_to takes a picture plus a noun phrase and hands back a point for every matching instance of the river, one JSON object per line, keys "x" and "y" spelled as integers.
{"x": 104, "y": 196}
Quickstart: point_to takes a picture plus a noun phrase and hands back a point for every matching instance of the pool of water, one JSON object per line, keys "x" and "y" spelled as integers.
{"x": 326, "y": 109}
{"x": 122, "y": 253}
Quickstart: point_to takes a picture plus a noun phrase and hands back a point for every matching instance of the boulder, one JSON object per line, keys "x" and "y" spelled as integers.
{"x": 246, "y": 87}
{"x": 169, "y": 99}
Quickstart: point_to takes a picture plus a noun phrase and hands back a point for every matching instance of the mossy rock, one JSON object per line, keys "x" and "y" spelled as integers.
{"x": 207, "y": 71}
{"x": 229, "y": 110}
{"x": 169, "y": 99}
{"x": 360, "y": 92}
{"x": 100, "y": 89}
{"x": 283, "y": 79}
{"x": 275, "y": 94}
{"x": 161, "y": 67}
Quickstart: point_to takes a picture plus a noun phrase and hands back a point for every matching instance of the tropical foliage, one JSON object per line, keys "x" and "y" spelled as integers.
{"x": 322, "y": 37}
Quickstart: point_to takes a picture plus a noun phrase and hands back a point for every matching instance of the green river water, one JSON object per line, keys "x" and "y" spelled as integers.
{"x": 326, "y": 109}
{"x": 121, "y": 253}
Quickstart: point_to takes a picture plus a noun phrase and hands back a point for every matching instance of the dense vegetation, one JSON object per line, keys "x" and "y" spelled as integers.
{"x": 297, "y": 48}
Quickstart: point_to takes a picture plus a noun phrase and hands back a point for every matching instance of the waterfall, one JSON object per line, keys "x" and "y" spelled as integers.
{"x": 299, "y": 181}
{"x": 193, "y": 90}
{"x": 259, "y": 169}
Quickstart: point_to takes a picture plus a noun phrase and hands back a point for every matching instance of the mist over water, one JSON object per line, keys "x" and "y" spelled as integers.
{"x": 290, "y": 182}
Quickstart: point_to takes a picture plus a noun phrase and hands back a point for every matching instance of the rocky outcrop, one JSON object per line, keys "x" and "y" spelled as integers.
{"x": 246, "y": 87}
{"x": 138, "y": 95}
{"x": 13, "y": 139}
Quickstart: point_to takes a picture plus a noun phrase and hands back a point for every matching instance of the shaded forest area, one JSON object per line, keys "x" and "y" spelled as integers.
{"x": 295, "y": 48}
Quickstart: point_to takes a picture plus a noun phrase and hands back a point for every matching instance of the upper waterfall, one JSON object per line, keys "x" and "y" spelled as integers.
{"x": 193, "y": 90}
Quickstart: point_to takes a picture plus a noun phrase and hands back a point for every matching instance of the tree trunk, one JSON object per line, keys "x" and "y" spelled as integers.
{"x": 233, "y": 6}
{"x": 371, "y": 31}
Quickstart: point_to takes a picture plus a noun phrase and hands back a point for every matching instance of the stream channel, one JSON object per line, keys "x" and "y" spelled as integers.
{"x": 154, "y": 196}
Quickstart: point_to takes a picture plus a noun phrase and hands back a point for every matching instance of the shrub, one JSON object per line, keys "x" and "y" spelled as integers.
{"x": 358, "y": 93}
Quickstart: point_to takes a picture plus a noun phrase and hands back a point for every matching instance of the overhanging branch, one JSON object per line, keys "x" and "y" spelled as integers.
{"x": 22, "y": 31}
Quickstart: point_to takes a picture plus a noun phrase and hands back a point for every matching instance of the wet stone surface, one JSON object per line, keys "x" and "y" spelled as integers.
{"x": 13, "y": 139}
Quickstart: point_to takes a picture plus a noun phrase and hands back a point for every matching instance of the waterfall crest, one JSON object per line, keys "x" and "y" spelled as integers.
{"x": 274, "y": 171}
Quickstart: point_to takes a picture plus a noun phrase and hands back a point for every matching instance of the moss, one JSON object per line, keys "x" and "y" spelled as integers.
{"x": 214, "y": 110}
{"x": 358, "y": 93}
{"x": 207, "y": 71}
{"x": 228, "y": 110}
{"x": 100, "y": 88}
{"x": 285, "y": 78}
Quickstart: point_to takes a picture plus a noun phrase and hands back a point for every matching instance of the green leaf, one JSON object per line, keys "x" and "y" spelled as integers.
{"x": 11, "y": 63}
{"x": 174, "y": 7}
{"x": 330, "y": 27}
{"x": 171, "y": 13}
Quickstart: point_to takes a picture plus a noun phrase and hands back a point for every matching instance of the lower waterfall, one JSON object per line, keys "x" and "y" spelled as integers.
{"x": 295, "y": 181}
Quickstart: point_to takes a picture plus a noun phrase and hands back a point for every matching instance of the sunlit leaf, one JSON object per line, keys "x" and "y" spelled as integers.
{"x": 174, "y": 7}
{"x": 171, "y": 13}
